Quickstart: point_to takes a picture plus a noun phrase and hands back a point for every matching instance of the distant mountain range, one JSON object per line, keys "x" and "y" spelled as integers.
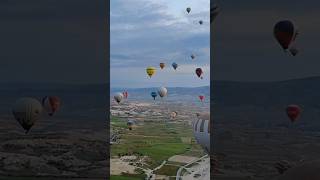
{"x": 174, "y": 93}
{"x": 77, "y": 97}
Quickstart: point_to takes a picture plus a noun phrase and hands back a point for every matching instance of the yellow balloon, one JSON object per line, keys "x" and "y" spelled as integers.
{"x": 151, "y": 71}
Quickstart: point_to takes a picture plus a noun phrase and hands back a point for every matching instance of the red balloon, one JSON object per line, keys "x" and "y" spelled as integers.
{"x": 125, "y": 94}
{"x": 51, "y": 104}
{"x": 201, "y": 98}
{"x": 293, "y": 112}
{"x": 285, "y": 33}
{"x": 199, "y": 72}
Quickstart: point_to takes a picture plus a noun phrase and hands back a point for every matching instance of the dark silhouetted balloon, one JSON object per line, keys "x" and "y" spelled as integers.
{"x": 199, "y": 72}
{"x": 188, "y": 9}
{"x": 293, "y": 112}
{"x": 174, "y": 65}
{"x": 154, "y": 95}
{"x": 284, "y": 32}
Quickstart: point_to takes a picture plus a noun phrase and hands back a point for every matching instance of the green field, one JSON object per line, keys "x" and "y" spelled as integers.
{"x": 158, "y": 140}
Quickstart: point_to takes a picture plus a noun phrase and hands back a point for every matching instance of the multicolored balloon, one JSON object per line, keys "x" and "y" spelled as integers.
{"x": 162, "y": 65}
{"x": 27, "y": 111}
{"x": 125, "y": 94}
{"x": 51, "y": 104}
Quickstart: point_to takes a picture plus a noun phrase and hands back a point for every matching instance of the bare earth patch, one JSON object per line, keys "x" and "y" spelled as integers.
{"x": 118, "y": 166}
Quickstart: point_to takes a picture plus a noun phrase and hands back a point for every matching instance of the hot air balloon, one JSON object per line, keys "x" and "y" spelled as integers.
{"x": 162, "y": 91}
{"x": 188, "y": 10}
{"x": 199, "y": 72}
{"x": 125, "y": 94}
{"x": 294, "y": 51}
{"x": 151, "y": 71}
{"x": 200, "y": 22}
{"x": 162, "y": 65}
{"x": 214, "y": 11}
{"x": 27, "y": 111}
{"x": 192, "y": 56}
{"x": 154, "y": 95}
{"x": 293, "y": 112}
{"x": 201, "y": 130}
{"x": 118, "y": 97}
{"x": 201, "y": 98}
{"x": 51, "y": 104}
{"x": 174, "y": 65}
{"x": 173, "y": 114}
{"x": 285, "y": 32}
{"x": 130, "y": 124}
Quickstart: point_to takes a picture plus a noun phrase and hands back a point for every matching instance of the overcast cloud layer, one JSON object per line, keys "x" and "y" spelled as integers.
{"x": 53, "y": 41}
{"x": 244, "y": 46}
{"x": 147, "y": 32}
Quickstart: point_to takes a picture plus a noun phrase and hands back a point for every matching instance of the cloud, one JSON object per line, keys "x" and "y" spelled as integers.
{"x": 145, "y": 33}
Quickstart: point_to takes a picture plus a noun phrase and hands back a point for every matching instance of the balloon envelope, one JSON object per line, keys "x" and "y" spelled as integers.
{"x": 293, "y": 112}
{"x": 188, "y": 9}
{"x": 162, "y": 65}
{"x": 201, "y": 130}
{"x": 175, "y": 66}
{"x": 154, "y": 95}
{"x": 125, "y": 94}
{"x": 173, "y": 115}
{"x": 118, "y": 97}
{"x": 162, "y": 91}
{"x": 27, "y": 111}
{"x": 201, "y": 98}
{"x": 199, "y": 72}
{"x": 151, "y": 71}
{"x": 130, "y": 124}
{"x": 284, "y": 31}
{"x": 51, "y": 104}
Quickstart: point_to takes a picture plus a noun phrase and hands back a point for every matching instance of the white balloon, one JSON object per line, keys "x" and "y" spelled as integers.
{"x": 201, "y": 130}
{"x": 27, "y": 111}
{"x": 118, "y": 97}
{"x": 162, "y": 91}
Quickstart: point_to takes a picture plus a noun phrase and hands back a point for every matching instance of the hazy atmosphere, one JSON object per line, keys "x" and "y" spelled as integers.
{"x": 53, "y": 41}
{"x": 245, "y": 49}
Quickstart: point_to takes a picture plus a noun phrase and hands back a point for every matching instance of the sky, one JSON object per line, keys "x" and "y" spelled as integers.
{"x": 53, "y": 41}
{"x": 146, "y": 32}
{"x": 244, "y": 48}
